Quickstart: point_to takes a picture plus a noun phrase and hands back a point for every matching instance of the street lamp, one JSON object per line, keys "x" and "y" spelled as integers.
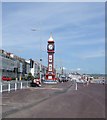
{"x": 40, "y": 71}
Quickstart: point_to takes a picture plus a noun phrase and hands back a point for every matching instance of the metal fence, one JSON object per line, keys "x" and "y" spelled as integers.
{"x": 13, "y": 85}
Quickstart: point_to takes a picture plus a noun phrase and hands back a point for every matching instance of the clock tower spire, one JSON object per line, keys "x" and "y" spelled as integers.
{"x": 51, "y": 38}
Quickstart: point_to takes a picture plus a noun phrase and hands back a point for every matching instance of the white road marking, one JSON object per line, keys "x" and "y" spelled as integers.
{"x": 48, "y": 88}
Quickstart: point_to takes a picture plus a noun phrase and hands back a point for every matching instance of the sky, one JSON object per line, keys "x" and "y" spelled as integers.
{"x": 78, "y": 29}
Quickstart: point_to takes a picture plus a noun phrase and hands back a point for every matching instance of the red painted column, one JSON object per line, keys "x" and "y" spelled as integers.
{"x": 50, "y": 50}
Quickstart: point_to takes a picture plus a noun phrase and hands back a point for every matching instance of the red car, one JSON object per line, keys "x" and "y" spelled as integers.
{"x": 5, "y": 78}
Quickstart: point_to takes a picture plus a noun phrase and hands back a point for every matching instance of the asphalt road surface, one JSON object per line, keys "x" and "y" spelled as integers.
{"x": 56, "y": 101}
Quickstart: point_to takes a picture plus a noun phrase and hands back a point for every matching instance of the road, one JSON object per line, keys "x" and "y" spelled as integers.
{"x": 56, "y": 101}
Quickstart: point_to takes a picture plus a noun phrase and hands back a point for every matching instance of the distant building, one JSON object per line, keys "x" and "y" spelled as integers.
{"x": 35, "y": 70}
{"x": 75, "y": 75}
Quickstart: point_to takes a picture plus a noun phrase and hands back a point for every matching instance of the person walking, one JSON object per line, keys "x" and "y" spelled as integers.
{"x": 87, "y": 81}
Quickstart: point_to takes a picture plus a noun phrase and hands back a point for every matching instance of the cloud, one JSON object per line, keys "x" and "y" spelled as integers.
{"x": 93, "y": 54}
{"x": 88, "y": 42}
{"x": 78, "y": 69}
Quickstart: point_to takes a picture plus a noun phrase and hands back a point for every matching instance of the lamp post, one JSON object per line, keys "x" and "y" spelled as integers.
{"x": 40, "y": 70}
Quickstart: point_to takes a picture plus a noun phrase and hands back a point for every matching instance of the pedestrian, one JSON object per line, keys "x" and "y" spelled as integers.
{"x": 84, "y": 82}
{"x": 87, "y": 81}
{"x": 76, "y": 87}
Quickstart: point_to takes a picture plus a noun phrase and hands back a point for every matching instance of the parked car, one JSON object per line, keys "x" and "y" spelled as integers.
{"x": 5, "y": 78}
{"x": 63, "y": 78}
{"x": 36, "y": 82}
{"x": 102, "y": 81}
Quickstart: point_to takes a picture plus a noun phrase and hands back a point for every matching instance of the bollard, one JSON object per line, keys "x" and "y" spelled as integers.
{"x": 76, "y": 86}
{"x": 15, "y": 86}
{"x": 9, "y": 87}
{"x": 1, "y": 88}
{"x": 21, "y": 85}
{"x": 27, "y": 84}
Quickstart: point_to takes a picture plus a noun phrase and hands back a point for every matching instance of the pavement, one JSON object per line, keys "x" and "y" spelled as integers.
{"x": 55, "y": 101}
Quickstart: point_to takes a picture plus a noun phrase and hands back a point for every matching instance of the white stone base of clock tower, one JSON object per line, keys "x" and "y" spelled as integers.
{"x": 50, "y": 82}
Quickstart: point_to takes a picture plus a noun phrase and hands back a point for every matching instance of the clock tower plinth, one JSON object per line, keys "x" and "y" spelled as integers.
{"x": 50, "y": 76}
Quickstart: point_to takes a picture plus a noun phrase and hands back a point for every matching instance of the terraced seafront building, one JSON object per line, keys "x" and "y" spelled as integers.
{"x": 17, "y": 67}
{"x": 12, "y": 65}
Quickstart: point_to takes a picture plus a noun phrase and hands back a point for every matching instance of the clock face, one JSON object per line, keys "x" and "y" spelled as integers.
{"x": 50, "y": 46}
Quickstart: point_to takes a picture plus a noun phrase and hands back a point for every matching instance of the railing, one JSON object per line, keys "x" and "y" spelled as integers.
{"x": 13, "y": 85}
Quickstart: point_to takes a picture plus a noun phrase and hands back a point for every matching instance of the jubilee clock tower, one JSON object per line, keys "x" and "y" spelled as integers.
{"x": 50, "y": 50}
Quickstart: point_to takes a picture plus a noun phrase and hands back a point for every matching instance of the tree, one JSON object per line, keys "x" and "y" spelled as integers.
{"x": 30, "y": 77}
